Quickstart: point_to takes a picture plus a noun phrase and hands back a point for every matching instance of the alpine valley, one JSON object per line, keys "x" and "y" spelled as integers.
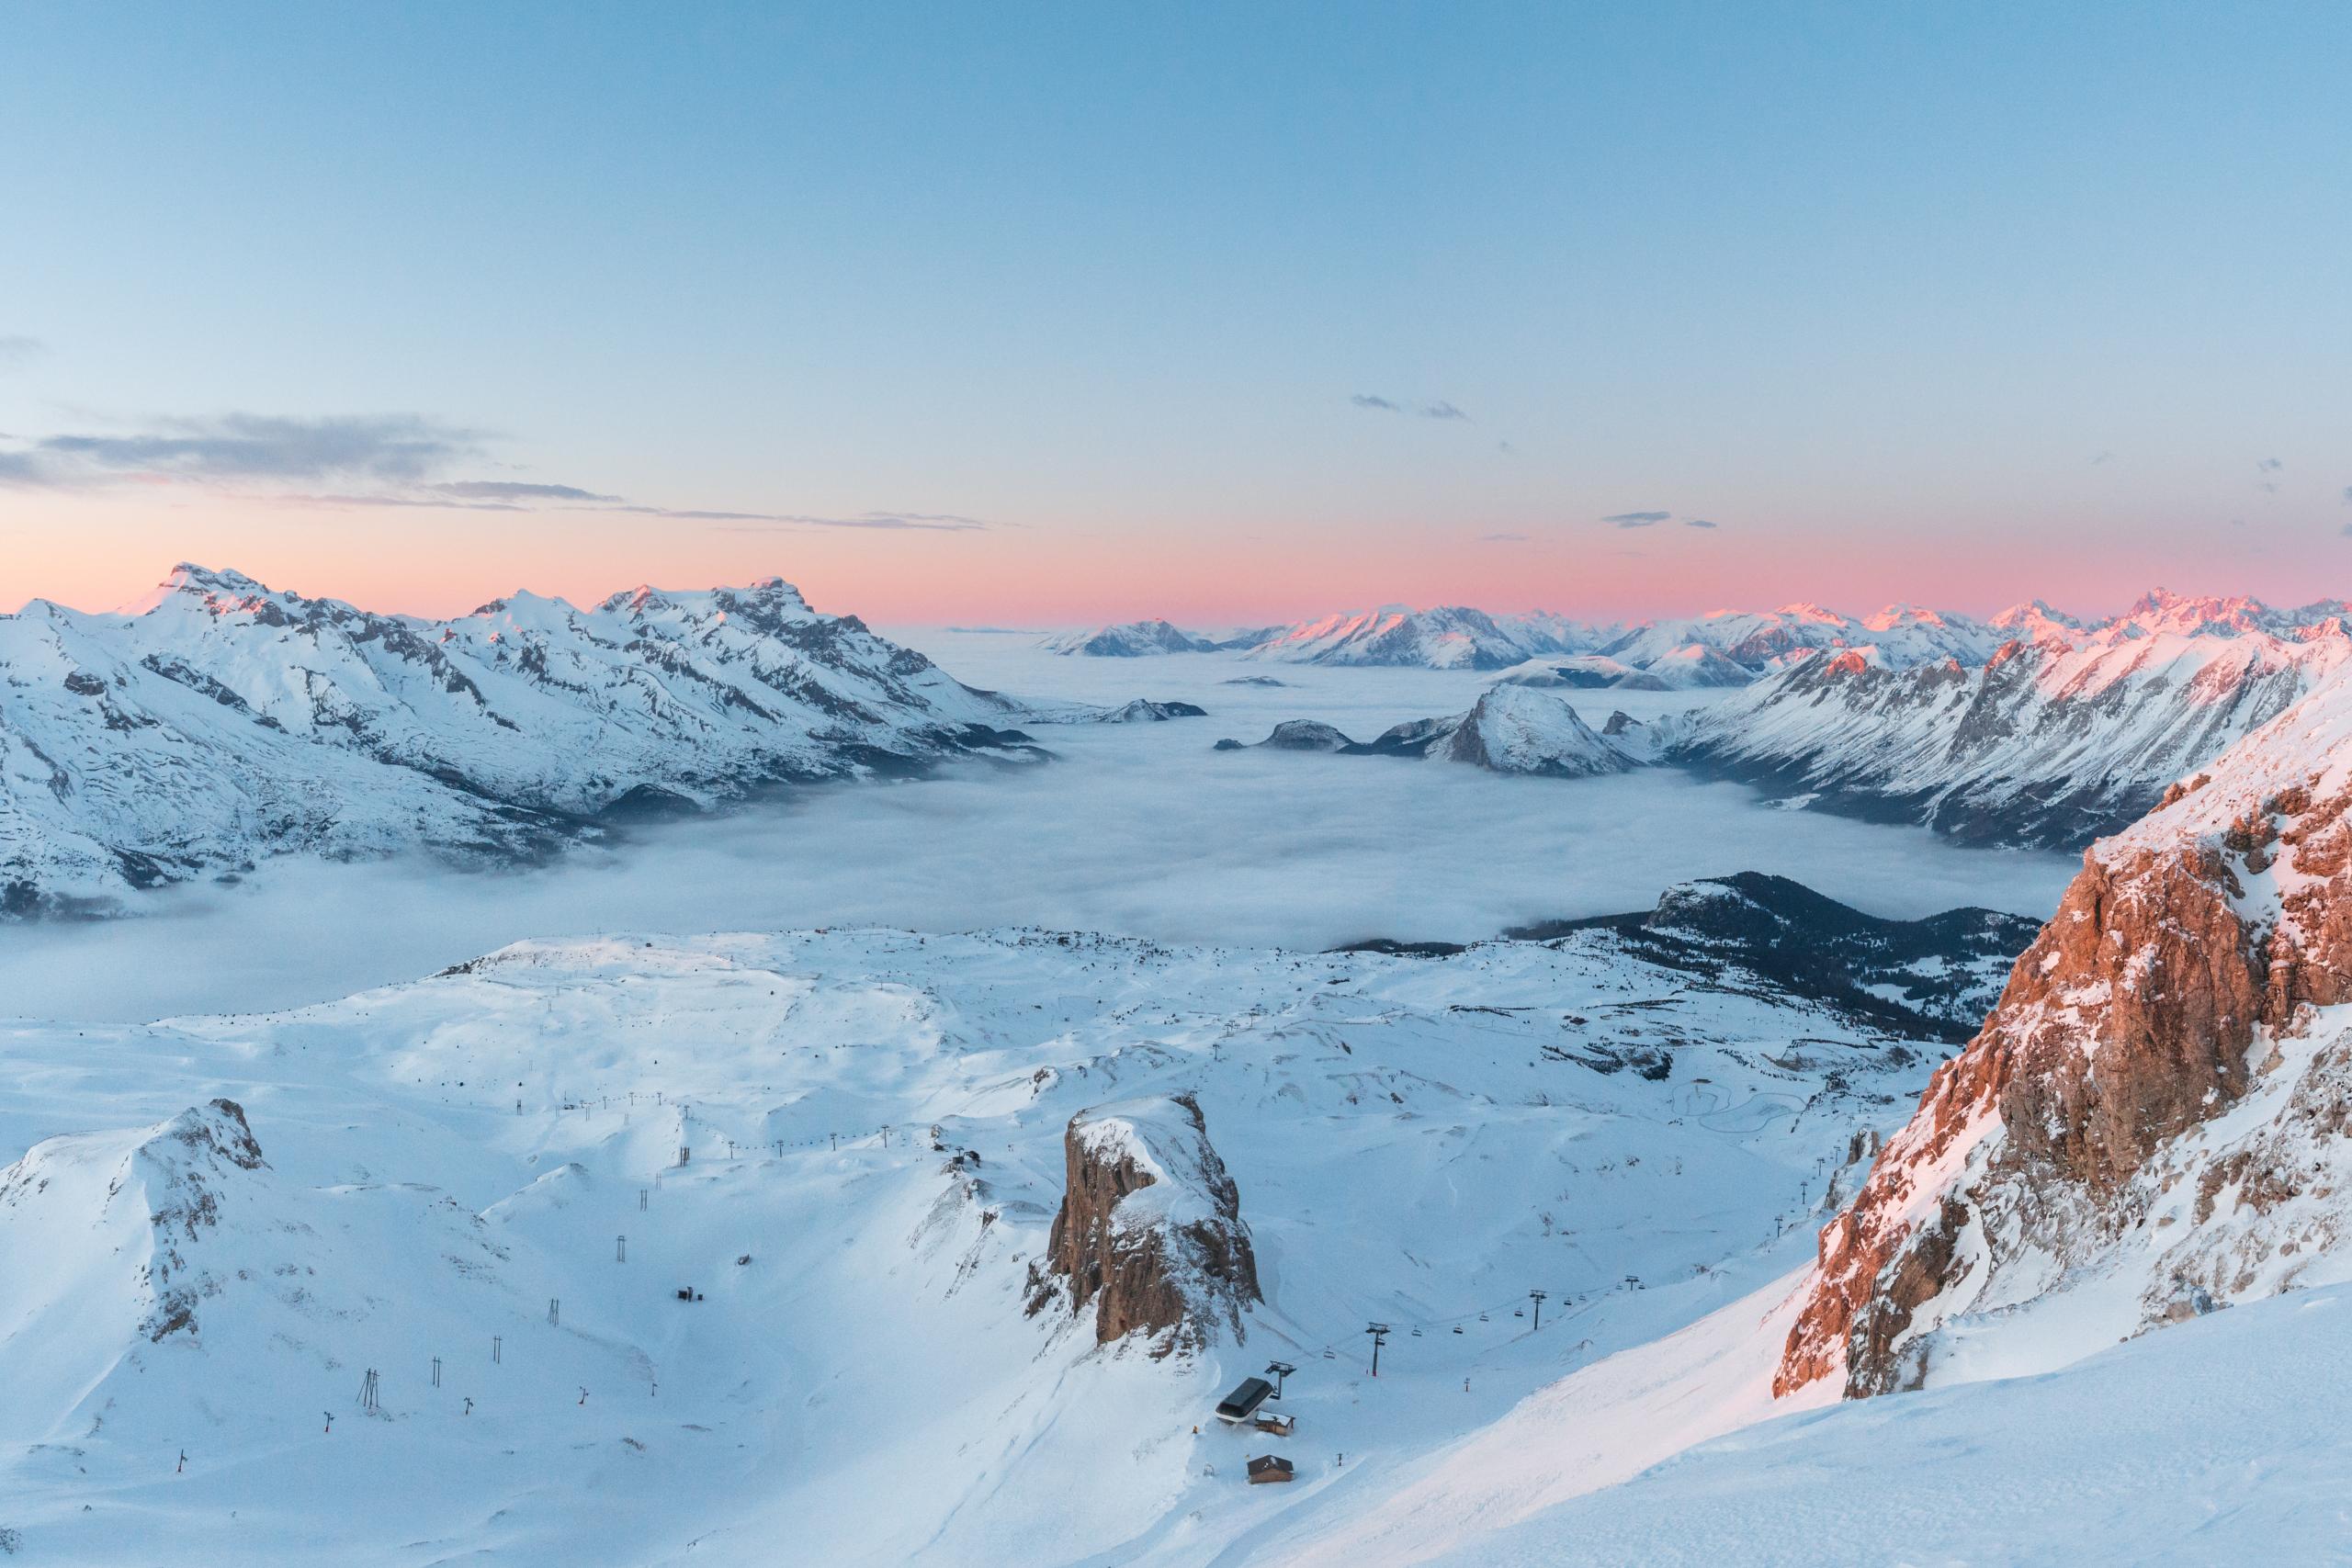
{"x": 865, "y": 1243}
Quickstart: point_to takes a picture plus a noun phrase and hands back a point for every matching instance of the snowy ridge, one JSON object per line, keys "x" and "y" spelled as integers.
{"x": 2047, "y": 743}
{"x": 219, "y": 722}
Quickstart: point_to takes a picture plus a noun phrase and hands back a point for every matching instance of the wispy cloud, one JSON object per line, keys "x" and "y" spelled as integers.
{"x": 1699, "y": 523}
{"x": 1502, "y": 538}
{"x": 379, "y": 461}
{"x": 1436, "y": 409}
{"x": 2265, "y": 468}
{"x": 16, "y": 349}
{"x": 755, "y": 521}
{"x": 1637, "y": 519}
{"x": 510, "y": 490}
{"x": 2102, "y": 458}
{"x": 394, "y": 448}
{"x": 417, "y": 503}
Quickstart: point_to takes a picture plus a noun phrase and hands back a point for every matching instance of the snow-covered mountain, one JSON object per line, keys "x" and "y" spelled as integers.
{"x": 1134, "y": 640}
{"x": 1447, "y": 638}
{"x": 221, "y": 721}
{"x": 1510, "y": 729}
{"x": 2047, "y": 742}
{"x": 655, "y": 1250}
{"x": 2150, "y": 1124}
{"x": 1761, "y": 641}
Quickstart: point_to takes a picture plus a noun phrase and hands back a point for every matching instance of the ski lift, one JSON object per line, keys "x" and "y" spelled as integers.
{"x": 1457, "y": 1328}
{"x": 1482, "y": 1317}
{"x": 1328, "y": 1354}
{"x": 1417, "y": 1334}
{"x": 1519, "y": 1312}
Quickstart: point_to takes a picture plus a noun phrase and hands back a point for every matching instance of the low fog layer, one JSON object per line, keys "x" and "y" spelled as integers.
{"x": 1140, "y": 829}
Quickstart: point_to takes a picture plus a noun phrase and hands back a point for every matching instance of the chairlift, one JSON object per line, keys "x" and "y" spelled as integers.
{"x": 1417, "y": 1334}
{"x": 1519, "y": 1312}
{"x": 1327, "y": 1353}
{"x": 1482, "y": 1317}
{"x": 1457, "y": 1328}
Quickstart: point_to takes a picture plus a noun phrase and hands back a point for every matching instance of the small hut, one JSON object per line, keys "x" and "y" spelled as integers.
{"x": 1281, "y": 1423}
{"x": 1270, "y": 1468}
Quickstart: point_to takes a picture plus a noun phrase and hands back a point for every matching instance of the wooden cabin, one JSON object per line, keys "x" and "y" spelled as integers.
{"x": 1269, "y": 1468}
{"x": 1243, "y": 1402}
{"x": 1281, "y": 1423}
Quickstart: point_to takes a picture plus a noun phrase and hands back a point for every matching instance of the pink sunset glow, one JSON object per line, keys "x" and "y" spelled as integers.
{"x": 97, "y": 556}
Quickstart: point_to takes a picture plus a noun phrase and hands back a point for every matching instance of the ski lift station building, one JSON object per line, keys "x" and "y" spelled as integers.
{"x": 1243, "y": 1402}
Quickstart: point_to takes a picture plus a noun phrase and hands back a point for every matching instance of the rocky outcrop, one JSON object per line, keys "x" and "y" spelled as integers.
{"x": 1149, "y": 1232}
{"x": 2181, "y": 979}
{"x": 152, "y": 1195}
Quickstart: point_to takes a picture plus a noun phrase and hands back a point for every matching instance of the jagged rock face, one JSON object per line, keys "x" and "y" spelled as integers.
{"x": 1150, "y": 1229}
{"x": 2182, "y": 966}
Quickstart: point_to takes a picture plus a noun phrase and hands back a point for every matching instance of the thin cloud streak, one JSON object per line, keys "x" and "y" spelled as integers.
{"x": 403, "y": 454}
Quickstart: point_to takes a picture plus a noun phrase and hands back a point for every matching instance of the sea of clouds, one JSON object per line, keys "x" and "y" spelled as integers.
{"x": 1139, "y": 830}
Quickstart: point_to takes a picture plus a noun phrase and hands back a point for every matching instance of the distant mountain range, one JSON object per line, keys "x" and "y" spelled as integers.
{"x": 2066, "y": 730}
{"x": 1723, "y": 648}
{"x": 221, "y": 721}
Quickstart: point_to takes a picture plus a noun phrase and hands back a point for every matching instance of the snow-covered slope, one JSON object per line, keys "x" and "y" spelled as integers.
{"x": 220, "y": 722}
{"x": 1512, "y": 728}
{"x": 490, "y": 1188}
{"x": 2220, "y": 1443}
{"x": 2047, "y": 743}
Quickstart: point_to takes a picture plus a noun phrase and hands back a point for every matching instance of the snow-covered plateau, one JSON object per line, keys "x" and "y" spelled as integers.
{"x": 659, "y": 1249}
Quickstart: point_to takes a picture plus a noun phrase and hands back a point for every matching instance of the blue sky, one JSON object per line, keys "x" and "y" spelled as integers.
{"x": 1951, "y": 304}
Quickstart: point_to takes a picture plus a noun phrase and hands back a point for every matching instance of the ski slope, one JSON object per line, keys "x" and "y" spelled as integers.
{"x": 1415, "y": 1141}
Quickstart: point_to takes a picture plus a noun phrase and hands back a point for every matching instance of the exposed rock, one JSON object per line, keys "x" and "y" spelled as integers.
{"x": 2178, "y": 980}
{"x": 1150, "y": 1229}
